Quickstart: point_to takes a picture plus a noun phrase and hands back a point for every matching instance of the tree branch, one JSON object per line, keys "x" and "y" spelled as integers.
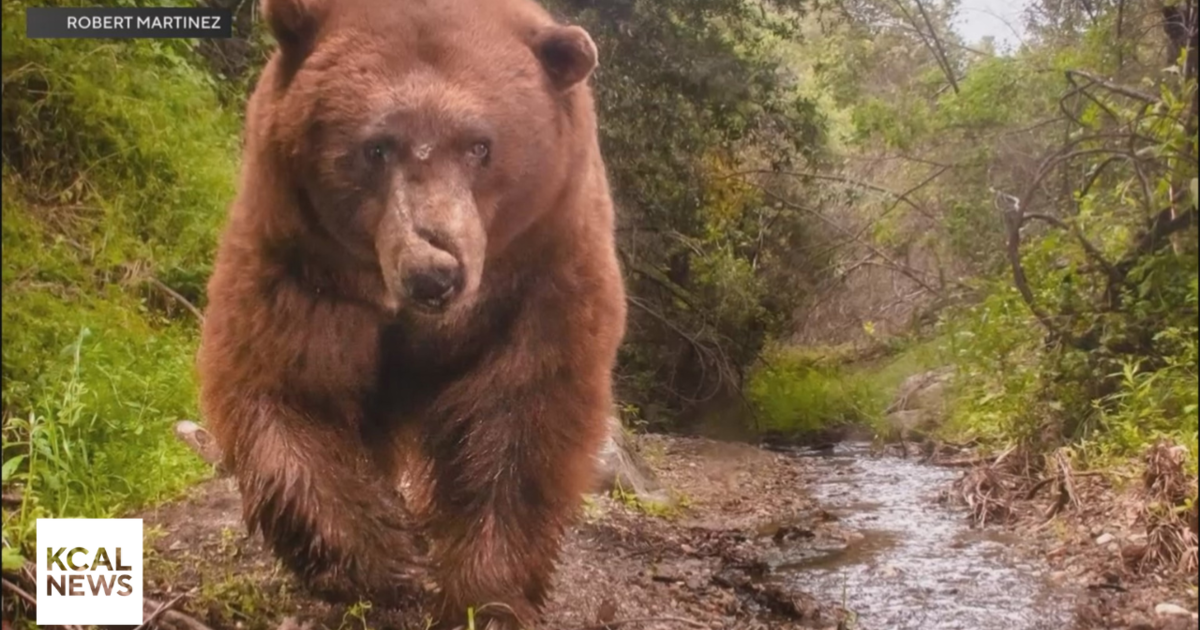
{"x": 905, "y": 270}
{"x": 1112, "y": 87}
{"x": 850, "y": 181}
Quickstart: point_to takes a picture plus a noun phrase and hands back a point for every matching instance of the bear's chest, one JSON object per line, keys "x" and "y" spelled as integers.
{"x": 417, "y": 361}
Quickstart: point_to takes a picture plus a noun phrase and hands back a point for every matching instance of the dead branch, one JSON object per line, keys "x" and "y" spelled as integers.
{"x": 1032, "y": 493}
{"x": 19, "y": 592}
{"x": 708, "y": 353}
{"x": 939, "y": 49}
{"x": 849, "y": 181}
{"x": 1067, "y": 495}
{"x": 1167, "y": 492}
{"x": 985, "y": 494}
{"x": 857, "y": 236}
{"x": 173, "y": 294}
{"x": 891, "y": 263}
{"x": 162, "y": 609}
{"x": 1112, "y": 87}
{"x": 620, "y": 623}
{"x": 658, "y": 278}
{"x": 934, "y": 46}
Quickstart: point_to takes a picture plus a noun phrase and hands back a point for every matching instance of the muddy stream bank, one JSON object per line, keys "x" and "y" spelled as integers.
{"x": 759, "y": 540}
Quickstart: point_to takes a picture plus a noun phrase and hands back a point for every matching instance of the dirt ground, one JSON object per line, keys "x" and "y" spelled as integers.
{"x": 698, "y": 564}
{"x": 1093, "y": 545}
{"x": 626, "y": 564}
{"x": 702, "y": 562}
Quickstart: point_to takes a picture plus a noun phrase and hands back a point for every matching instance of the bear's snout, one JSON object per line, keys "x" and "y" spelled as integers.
{"x": 434, "y": 287}
{"x": 430, "y": 249}
{"x": 432, "y": 275}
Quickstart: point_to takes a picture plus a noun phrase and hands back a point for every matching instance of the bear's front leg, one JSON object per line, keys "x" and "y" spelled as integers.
{"x": 323, "y": 507}
{"x": 510, "y": 464}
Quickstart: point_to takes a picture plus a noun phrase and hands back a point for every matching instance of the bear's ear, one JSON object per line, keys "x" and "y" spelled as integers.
{"x": 294, "y": 24}
{"x": 567, "y": 53}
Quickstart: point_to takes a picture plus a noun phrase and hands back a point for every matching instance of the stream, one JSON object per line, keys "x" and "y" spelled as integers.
{"x": 911, "y": 562}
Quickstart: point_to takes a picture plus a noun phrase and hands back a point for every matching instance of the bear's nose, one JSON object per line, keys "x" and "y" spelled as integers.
{"x": 434, "y": 287}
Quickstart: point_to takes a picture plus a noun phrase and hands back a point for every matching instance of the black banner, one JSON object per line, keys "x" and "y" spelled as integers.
{"x": 127, "y": 23}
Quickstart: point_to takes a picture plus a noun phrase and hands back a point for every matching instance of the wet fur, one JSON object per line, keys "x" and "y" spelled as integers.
{"x": 322, "y": 398}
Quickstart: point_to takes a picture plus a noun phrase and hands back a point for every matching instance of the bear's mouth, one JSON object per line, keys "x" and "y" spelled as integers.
{"x": 430, "y": 308}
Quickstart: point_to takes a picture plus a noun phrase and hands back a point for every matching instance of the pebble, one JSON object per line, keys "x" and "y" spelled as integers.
{"x": 1104, "y": 539}
{"x": 1171, "y": 610}
{"x": 889, "y": 571}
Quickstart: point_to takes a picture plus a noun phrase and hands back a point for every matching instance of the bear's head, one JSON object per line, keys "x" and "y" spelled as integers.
{"x": 425, "y": 137}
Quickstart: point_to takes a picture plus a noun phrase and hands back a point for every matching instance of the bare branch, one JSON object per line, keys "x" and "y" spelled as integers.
{"x": 175, "y": 295}
{"x": 934, "y": 46}
{"x": 621, "y": 623}
{"x": 1092, "y": 251}
{"x": 658, "y": 278}
{"x": 940, "y": 50}
{"x": 850, "y": 181}
{"x": 160, "y": 611}
{"x": 905, "y": 270}
{"x": 1112, "y": 87}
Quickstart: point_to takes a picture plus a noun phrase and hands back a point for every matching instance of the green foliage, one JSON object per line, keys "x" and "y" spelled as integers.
{"x": 802, "y": 392}
{"x": 119, "y": 161}
{"x": 691, "y": 97}
{"x": 1102, "y": 350}
{"x": 1011, "y": 387}
{"x": 1083, "y": 138}
{"x": 1154, "y": 396}
{"x": 995, "y": 347}
{"x": 668, "y": 508}
{"x": 799, "y": 393}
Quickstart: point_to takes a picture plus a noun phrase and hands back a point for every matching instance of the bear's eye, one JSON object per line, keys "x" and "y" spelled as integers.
{"x": 378, "y": 151}
{"x": 480, "y": 151}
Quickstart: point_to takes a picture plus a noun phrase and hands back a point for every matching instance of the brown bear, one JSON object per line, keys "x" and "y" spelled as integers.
{"x": 418, "y": 279}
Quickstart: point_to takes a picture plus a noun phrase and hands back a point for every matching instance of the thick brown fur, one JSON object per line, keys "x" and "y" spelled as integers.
{"x": 323, "y": 382}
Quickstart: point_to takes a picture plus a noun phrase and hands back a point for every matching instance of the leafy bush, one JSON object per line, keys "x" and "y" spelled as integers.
{"x": 801, "y": 393}
{"x": 119, "y": 161}
{"x": 994, "y": 346}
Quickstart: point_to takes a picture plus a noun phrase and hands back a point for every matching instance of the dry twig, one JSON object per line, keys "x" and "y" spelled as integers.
{"x": 1168, "y": 491}
{"x": 985, "y": 494}
{"x": 19, "y": 592}
{"x": 1066, "y": 487}
{"x": 620, "y": 623}
{"x": 175, "y": 295}
{"x": 160, "y": 611}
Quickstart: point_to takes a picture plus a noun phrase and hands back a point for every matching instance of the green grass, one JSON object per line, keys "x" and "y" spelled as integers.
{"x": 1006, "y": 387}
{"x": 797, "y": 394}
{"x": 119, "y": 162}
{"x": 804, "y": 391}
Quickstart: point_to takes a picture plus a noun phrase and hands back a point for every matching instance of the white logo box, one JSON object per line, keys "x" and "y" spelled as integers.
{"x": 81, "y": 580}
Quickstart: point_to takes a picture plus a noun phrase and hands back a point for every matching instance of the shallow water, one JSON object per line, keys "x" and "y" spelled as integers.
{"x": 911, "y": 562}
